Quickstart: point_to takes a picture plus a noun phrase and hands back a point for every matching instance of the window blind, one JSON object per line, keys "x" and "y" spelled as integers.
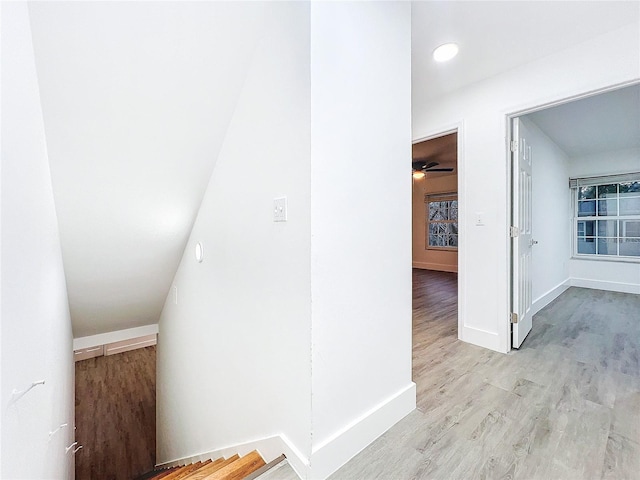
{"x": 604, "y": 179}
{"x": 440, "y": 197}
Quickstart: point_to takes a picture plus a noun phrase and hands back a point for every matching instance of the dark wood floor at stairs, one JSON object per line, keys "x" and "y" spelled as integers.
{"x": 116, "y": 415}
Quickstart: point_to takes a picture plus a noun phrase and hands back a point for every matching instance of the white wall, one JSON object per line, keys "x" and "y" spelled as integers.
{"x": 234, "y": 356}
{"x": 603, "y": 274}
{"x": 482, "y": 110}
{"x": 605, "y": 163}
{"x": 361, "y": 225}
{"x": 36, "y": 328}
{"x": 301, "y": 330}
{"x": 551, "y": 216}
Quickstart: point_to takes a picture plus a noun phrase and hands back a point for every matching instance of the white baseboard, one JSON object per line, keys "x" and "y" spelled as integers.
{"x": 605, "y": 285}
{"x": 113, "y": 337}
{"x": 269, "y": 448}
{"x": 548, "y": 297}
{"x": 330, "y": 455}
{"x": 441, "y": 267}
{"x": 481, "y": 338}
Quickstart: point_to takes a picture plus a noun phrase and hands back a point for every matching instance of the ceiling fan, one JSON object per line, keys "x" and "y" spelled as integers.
{"x": 424, "y": 166}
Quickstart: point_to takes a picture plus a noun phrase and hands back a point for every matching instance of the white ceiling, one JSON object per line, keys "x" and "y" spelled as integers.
{"x": 137, "y": 96}
{"x": 496, "y": 36}
{"x": 606, "y": 122}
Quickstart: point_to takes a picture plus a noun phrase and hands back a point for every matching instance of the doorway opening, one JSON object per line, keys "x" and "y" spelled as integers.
{"x": 435, "y": 211}
{"x": 576, "y": 221}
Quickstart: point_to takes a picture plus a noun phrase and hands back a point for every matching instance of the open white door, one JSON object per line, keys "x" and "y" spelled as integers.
{"x": 522, "y": 241}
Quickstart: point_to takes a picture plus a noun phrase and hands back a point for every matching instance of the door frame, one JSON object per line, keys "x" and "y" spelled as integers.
{"x": 508, "y": 122}
{"x": 457, "y": 127}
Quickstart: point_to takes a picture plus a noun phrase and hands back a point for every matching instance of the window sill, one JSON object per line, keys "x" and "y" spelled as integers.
{"x": 602, "y": 258}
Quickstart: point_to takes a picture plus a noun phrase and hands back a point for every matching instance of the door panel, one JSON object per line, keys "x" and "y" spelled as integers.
{"x": 522, "y": 243}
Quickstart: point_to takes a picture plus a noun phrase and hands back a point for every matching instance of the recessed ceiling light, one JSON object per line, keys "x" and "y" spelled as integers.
{"x": 445, "y": 52}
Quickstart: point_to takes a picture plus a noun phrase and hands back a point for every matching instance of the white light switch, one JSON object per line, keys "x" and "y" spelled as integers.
{"x": 280, "y": 209}
{"x": 479, "y": 219}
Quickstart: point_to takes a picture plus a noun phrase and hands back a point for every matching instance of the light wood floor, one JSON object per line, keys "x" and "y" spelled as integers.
{"x": 564, "y": 406}
{"x": 116, "y": 415}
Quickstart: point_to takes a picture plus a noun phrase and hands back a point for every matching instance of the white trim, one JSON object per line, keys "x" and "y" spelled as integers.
{"x": 482, "y": 338}
{"x": 269, "y": 448}
{"x": 605, "y": 285}
{"x": 112, "y": 337}
{"x": 132, "y": 344}
{"x": 597, "y": 181}
{"x": 329, "y": 455}
{"x": 439, "y": 197}
{"x": 459, "y": 128}
{"x": 604, "y": 258}
{"x": 548, "y": 297}
{"x": 439, "y": 132}
{"x": 556, "y": 102}
{"x": 462, "y": 230}
{"x": 442, "y": 267}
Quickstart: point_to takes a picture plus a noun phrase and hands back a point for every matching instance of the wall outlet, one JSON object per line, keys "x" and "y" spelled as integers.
{"x": 280, "y": 209}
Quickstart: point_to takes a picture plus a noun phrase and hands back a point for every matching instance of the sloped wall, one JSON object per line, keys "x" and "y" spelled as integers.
{"x": 35, "y": 323}
{"x": 234, "y": 356}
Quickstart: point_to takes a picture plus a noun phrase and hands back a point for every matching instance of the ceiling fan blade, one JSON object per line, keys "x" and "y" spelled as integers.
{"x": 442, "y": 169}
{"x": 418, "y": 165}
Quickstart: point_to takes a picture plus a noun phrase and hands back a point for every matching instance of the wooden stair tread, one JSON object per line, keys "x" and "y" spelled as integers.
{"x": 265, "y": 468}
{"x": 238, "y": 469}
{"x": 207, "y": 470}
{"x": 185, "y": 470}
{"x": 164, "y": 473}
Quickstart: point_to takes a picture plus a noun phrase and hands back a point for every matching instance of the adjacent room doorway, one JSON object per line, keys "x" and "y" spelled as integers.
{"x": 575, "y": 204}
{"x": 435, "y": 243}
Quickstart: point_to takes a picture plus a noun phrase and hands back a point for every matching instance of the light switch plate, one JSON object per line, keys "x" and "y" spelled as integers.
{"x": 280, "y": 209}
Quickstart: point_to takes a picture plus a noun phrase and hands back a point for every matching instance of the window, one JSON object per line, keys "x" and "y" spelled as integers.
{"x": 442, "y": 221}
{"x": 607, "y": 216}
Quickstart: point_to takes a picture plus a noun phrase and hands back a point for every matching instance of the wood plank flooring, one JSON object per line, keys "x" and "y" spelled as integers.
{"x": 116, "y": 415}
{"x": 564, "y": 406}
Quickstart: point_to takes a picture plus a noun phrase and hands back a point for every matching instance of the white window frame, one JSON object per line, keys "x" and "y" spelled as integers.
{"x": 574, "y": 184}
{"x": 440, "y": 197}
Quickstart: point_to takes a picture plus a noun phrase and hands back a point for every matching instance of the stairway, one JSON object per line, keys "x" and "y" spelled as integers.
{"x": 233, "y": 468}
